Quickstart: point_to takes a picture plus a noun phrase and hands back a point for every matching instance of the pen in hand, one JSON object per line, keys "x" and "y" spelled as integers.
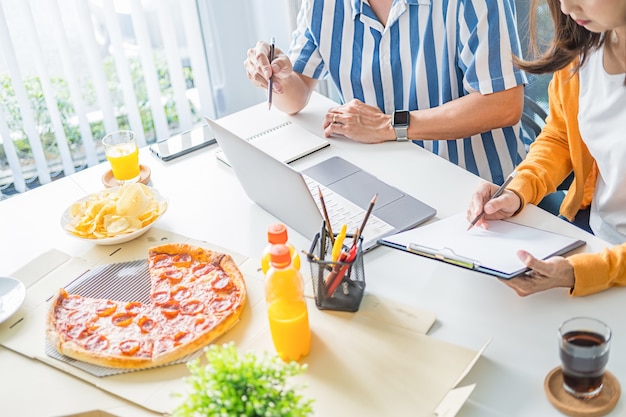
{"x": 495, "y": 195}
{"x": 271, "y": 80}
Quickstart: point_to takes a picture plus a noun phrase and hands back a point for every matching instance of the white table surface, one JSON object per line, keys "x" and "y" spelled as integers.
{"x": 206, "y": 202}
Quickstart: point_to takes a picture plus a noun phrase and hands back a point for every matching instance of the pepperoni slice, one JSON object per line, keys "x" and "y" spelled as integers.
{"x": 160, "y": 261}
{"x": 204, "y": 324}
{"x": 192, "y": 307}
{"x": 170, "y": 309}
{"x": 183, "y": 259}
{"x": 96, "y": 343}
{"x": 221, "y": 304}
{"x": 181, "y": 337}
{"x": 79, "y": 316}
{"x": 163, "y": 344}
{"x": 73, "y": 302}
{"x": 129, "y": 347}
{"x": 160, "y": 297}
{"x": 134, "y": 307}
{"x": 106, "y": 308}
{"x": 221, "y": 281}
{"x": 146, "y": 324}
{"x": 122, "y": 319}
{"x": 181, "y": 293}
{"x": 173, "y": 274}
{"x": 202, "y": 269}
{"x": 76, "y": 331}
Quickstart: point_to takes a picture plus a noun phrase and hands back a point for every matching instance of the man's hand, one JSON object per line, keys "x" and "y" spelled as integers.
{"x": 259, "y": 68}
{"x": 360, "y": 122}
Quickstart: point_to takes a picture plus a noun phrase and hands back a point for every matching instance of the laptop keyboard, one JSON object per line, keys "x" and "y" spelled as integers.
{"x": 343, "y": 211}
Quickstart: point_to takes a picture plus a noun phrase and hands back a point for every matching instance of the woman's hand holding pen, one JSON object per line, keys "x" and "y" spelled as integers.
{"x": 501, "y": 207}
{"x": 551, "y": 273}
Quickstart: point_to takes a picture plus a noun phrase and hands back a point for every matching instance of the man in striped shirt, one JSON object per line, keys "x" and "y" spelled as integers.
{"x": 448, "y": 63}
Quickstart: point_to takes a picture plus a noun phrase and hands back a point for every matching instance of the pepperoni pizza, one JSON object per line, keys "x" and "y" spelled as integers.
{"x": 196, "y": 295}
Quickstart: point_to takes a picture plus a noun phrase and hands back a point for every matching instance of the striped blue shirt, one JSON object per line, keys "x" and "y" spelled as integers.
{"x": 430, "y": 52}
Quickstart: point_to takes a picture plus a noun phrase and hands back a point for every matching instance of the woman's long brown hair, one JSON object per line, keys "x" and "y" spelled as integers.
{"x": 570, "y": 41}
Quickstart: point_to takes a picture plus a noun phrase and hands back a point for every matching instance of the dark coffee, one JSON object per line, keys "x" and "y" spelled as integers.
{"x": 584, "y": 356}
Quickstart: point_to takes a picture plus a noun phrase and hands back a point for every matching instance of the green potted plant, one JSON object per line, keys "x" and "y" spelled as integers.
{"x": 231, "y": 384}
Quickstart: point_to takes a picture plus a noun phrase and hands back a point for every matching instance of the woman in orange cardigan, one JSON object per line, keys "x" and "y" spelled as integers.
{"x": 585, "y": 133}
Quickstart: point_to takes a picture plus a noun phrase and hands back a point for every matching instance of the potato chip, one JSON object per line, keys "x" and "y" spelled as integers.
{"x": 114, "y": 212}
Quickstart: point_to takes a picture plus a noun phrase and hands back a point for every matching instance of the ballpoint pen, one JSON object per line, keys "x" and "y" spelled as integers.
{"x": 495, "y": 195}
{"x": 271, "y": 80}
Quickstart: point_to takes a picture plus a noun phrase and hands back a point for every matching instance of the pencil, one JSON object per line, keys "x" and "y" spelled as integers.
{"x": 358, "y": 232}
{"x": 495, "y": 195}
{"x": 270, "y": 83}
{"x": 329, "y": 228}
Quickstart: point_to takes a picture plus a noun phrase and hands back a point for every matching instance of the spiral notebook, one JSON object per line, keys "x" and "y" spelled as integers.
{"x": 286, "y": 142}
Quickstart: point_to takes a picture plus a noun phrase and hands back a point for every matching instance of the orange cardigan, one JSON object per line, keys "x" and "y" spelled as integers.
{"x": 557, "y": 151}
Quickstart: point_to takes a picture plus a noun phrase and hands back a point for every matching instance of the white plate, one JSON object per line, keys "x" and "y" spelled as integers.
{"x": 66, "y": 218}
{"x": 12, "y": 294}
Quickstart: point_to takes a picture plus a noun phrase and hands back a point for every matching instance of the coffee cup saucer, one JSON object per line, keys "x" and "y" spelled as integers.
{"x": 575, "y": 407}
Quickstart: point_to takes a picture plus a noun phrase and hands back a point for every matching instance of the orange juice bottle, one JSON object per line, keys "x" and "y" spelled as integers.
{"x": 286, "y": 307}
{"x": 277, "y": 233}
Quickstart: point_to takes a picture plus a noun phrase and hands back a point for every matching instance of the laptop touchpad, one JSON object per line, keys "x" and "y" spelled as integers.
{"x": 331, "y": 170}
{"x": 360, "y": 187}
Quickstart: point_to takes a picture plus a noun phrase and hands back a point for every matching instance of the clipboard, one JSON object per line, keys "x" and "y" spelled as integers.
{"x": 491, "y": 252}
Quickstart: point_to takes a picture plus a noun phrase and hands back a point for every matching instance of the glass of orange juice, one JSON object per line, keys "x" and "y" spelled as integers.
{"x": 122, "y": 152}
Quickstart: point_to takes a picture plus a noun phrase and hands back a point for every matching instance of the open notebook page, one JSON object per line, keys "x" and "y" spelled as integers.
{"x": 286, "y": 142}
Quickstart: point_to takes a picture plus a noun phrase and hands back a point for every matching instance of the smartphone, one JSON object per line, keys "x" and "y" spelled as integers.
{"x": 184, "y": 143}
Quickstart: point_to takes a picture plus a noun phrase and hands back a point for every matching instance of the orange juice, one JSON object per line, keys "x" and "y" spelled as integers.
{"x": 286, "y": 307}
{"x": 124, "y": 159}
{"x": 289, "y": 324}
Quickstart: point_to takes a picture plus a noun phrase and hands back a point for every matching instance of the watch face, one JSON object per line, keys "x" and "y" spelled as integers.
{"x": 401, "y": 118}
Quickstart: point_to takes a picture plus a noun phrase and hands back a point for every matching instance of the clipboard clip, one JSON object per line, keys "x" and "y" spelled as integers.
{"x": 444, "y": 254}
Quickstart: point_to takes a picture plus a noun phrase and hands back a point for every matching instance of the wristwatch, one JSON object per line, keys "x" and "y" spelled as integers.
{"x": 400, "y": 124}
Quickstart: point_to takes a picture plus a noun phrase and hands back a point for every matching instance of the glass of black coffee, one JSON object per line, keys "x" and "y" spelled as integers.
{"x": 584, "y": 350}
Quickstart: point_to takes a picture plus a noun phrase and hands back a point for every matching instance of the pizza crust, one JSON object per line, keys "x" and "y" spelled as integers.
{"x": 59, "y": 321}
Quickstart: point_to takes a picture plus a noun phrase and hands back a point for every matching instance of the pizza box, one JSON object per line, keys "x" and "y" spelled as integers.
{"x": 398, "y": 370}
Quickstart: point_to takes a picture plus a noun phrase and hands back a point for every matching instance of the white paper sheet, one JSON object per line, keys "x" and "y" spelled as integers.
{"x": 494, "y": 249}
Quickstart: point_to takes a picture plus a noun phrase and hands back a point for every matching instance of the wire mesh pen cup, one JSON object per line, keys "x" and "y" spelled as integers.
{"x": 337, "y": 285}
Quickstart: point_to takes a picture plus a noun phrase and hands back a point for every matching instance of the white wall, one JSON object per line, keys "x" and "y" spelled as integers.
{"x": 230, "y": 29}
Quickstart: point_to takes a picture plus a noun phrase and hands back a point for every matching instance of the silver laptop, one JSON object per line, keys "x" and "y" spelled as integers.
{"x": 293, "y": 196}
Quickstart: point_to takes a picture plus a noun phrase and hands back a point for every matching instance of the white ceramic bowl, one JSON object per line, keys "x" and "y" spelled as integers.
{"x": 66, "y": 218}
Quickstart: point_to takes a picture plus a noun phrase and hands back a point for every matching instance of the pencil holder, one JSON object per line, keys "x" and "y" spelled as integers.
{"x": 337, "y": 285}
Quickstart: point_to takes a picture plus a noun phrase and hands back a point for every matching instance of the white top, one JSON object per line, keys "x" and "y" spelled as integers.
{"x": 602, "y": 120}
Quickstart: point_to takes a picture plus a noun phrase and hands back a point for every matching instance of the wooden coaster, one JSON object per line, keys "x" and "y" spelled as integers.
{"x": 575, "y": 407}
{"x": 109, "y": 180}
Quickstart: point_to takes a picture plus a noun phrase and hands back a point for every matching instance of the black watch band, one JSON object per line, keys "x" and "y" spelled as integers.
{"x": 400, "y": 123}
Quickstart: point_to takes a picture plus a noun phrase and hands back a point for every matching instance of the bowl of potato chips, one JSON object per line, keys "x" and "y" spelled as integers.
{"x": 114, "y": 215}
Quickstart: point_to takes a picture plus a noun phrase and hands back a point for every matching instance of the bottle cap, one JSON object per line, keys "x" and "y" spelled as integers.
{"x": 277, "y": 233}
{"x": 280, "y": 255}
